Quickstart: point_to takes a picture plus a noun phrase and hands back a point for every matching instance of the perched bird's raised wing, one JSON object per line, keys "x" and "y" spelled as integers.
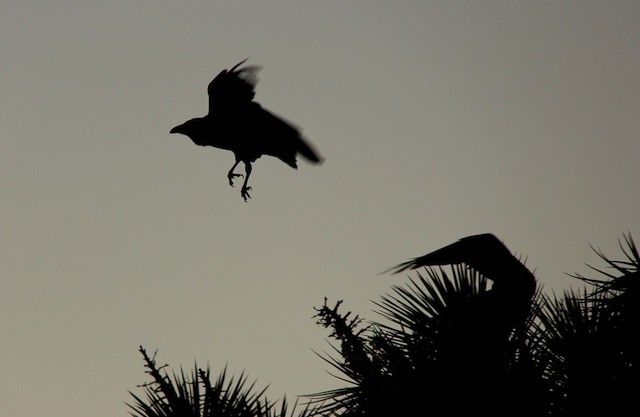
{"x": 478, "y": 340}
{"x": 509, "y": 300}
{"x": 485, "y": 253}
{"x": 232, "y": 88}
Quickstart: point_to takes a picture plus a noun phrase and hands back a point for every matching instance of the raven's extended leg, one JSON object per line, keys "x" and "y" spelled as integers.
{"x": 245, "y": 189}
{"x": 231, "y": 175}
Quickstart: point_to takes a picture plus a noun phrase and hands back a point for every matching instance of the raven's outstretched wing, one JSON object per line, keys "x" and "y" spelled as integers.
{"x": 232, "y": 88}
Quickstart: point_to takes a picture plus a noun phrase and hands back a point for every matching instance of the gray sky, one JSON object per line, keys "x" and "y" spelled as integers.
{"x": 437, "y": 120}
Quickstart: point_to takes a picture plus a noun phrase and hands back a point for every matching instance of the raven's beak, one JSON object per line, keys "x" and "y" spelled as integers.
{"x": 176, "y": 129}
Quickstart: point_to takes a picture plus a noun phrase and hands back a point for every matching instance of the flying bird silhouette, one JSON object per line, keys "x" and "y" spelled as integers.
{"x": 237, "y": 123}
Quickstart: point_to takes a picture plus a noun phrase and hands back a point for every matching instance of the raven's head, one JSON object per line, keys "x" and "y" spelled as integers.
{"x": 196, "y": 129}
{"x": 186, "y": 128}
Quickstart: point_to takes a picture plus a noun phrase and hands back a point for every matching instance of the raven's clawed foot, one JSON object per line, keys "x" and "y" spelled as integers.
{"x": 231, "y": 176}
{"x": 245, "y": 192}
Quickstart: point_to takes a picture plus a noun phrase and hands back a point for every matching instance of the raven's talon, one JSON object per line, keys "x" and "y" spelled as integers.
{"x": 245, "y": 193}
{"x": 231, "y": 176}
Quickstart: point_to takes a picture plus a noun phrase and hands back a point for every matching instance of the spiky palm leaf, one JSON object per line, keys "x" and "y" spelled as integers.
{"x": 626, "y": 275}
{"x": 581, "y": 355}
{"x": 590, "y": 340}
{"x": 425, "y": 359}
{"x": 430, "y": 295}
{"x": 195, "y": 396}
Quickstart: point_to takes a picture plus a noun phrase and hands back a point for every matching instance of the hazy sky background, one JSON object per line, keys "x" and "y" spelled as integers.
{"x": 437, "y": 120}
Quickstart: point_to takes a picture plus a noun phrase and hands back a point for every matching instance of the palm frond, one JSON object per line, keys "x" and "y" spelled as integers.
{"x": 194, "y": 395}
{"x": 626, "y": 272}
{"x": 428, "y": 296}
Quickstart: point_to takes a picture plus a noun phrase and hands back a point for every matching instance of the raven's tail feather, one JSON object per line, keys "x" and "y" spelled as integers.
{"x": 308, "y": 152}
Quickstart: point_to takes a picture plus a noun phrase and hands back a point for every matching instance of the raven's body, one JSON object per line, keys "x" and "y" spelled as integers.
{"x": 238, "y": 124}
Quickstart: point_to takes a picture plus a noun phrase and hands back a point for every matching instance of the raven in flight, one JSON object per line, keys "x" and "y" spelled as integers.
{"x": 237, "y": 123}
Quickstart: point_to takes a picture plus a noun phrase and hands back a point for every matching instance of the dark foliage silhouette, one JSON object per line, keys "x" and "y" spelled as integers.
{"x": 445, "y": 351}
{"x": 237, "y": 123}
{"x": 456, "y": 347}
{"x": 469, "y": 335}
{"x": 196, "y": 396}
{"x": 589, "y": 341}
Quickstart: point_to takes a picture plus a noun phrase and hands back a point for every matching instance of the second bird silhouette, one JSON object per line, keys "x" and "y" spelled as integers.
{"x": 237, "y": 123}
